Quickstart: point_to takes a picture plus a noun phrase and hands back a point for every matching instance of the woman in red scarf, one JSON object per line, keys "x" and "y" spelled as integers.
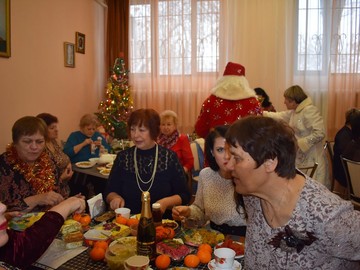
{"x": 172, "y": 139}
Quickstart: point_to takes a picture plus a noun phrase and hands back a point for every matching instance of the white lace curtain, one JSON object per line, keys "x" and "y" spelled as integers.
{"x": 179, "y": 48}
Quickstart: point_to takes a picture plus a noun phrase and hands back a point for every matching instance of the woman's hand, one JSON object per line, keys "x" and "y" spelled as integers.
{"x": 180, "y": 211}
{"x": 50, "y": 198}
{"x": 115, "y": 200}
{"x": 67, "y": 174}
{"x": 70, "y": 205}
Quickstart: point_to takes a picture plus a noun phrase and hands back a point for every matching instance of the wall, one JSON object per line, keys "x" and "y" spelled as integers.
{"x": 34, "y": 79}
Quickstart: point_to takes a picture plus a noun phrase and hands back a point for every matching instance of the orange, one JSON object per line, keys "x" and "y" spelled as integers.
{"x": 191, "y": 261}
{"x": 132, "y": 221}
{"x": 121, "y": 220}
{"x": 162, "y": 261}
{"x": 77, "y": 217}
{"x": 206, "y": 247}
{"x": 85, "y": 220}
{"x": 204, "y": 256}
{"x": 97, "y": 254}
{"x": 101, "y": 244}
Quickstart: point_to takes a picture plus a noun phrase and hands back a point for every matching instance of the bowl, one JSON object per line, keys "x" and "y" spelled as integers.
{"x": 106, "y": 158}
{"x": 94, "y": 160}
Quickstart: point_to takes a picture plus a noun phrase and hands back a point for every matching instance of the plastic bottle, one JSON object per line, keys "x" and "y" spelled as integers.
{"x": 156, "y": 213}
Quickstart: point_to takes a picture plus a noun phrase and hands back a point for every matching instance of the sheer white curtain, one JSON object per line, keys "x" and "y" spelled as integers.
{"x": 179, "y": 48}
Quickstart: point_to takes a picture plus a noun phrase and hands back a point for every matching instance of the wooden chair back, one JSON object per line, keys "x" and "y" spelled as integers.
{"x": 309, "y": 170}
{"x": 352, "y": 173}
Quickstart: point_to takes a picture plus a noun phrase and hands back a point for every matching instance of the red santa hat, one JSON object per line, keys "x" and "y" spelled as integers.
{"x": 234, "y": 69}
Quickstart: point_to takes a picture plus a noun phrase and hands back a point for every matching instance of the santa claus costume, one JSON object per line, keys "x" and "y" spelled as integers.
{"x": 231, "y": 99}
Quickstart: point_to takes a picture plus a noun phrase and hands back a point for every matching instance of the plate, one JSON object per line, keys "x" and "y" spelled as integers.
{"x": 117, "y": 230}
{"x": 109, "y": 165}
{"x": 24, "y": 221}
{"x": 235, "y": 243}
{"x": 196, "y": 237}
{"x": 212, "y": 266}
{"x": 105, "y": 171}
{"x": 84, "y": 164}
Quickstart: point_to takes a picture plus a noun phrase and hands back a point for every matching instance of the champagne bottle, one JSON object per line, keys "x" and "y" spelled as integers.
{"x": 146, "y": 230}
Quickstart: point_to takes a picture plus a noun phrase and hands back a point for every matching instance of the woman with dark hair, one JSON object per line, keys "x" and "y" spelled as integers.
{"x": 303, "y": 116}
{"x": 264, "y": 99}
{"x": 30, "y": 180}
{"x": 53, "y": 148}
{"x": 293, "y": 221}
{"x": 215, "y": 198}
{"x": 146, "y": 166}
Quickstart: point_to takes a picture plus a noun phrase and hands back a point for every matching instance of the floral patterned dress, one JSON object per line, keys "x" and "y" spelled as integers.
{"x": 332, "y": 221}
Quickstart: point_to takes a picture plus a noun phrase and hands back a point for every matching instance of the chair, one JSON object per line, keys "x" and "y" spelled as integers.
{"x": 309, "y": 170}
{"x": 198, "y": 154}
{"x": 329, "y": 152}
{"x": 352, "y": 173}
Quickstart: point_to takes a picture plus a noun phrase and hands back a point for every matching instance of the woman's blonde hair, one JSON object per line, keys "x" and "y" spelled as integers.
{"x": 295, "y": 93}
{"x": 169, "y": 114}
{"x": 89, "y": 119}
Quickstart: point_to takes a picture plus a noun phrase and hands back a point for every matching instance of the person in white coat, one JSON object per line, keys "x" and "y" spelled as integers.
{"x": 309, "y": 129}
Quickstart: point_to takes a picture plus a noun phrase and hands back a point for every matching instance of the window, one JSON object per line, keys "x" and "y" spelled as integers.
{"x": 328, "y": 34}
{"x": 174, "y": 37}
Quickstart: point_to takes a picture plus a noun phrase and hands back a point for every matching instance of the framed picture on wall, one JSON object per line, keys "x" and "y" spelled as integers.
{"x": 80, "y": 42}
{"x": 5, "y": 28}
{"x": 69, "y": 54}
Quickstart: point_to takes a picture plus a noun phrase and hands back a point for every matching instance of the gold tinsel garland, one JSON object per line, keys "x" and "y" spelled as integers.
{"x": 40, "y": 175}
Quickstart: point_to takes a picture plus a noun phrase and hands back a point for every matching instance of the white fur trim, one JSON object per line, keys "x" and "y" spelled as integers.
{"x": 233, "y": 88}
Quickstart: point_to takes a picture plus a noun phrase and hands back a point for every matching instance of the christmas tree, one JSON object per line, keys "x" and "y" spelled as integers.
{"x": 116, "y": 108}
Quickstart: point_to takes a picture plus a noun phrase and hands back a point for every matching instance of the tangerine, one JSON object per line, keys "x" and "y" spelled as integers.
{"x": 85, "y": 220}
{"x": 121, "y": 220}
{"x": 204, "y": 256}
{"x": 76, "y": 217}
{"x": 206, "y": 247}
{"x": 162, "y": 261}
{"x": 101, "y": 244}
{"x": 191, "y": 261}
{"x": 132, "y": 221}
{"x": 97, "y": 254}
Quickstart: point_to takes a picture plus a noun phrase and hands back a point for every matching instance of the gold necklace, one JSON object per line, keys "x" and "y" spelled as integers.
{"x": 138, "y": 177}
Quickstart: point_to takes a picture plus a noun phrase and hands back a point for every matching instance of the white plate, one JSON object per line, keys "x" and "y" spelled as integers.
{"x": 105, "y": 171}
{"x": 238, "y": 256}
{"x": 84, "y": 164}
{"x": 236, "y": 266}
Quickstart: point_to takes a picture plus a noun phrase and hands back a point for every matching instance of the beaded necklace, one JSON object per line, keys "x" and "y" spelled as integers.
{"x": 40, "y": 175}
{"x": 138, "y": 177}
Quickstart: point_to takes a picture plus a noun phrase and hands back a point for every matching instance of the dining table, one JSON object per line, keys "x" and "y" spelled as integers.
{"x": 83, "y": 260}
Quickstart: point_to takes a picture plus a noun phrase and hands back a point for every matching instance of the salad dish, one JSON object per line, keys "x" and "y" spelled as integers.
{"x": 196, "y": 237}
{"x": 238, "y": 247}
{"x": 84, "y": 164}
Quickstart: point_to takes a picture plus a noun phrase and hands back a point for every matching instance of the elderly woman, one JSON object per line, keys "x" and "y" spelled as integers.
{"x": 309, "y": 128}
{"x": 146, "y": 166}
{"x": 87, "y": 142}
{"x": 53, "y": 148}
{"x": 215, "y": 200}
{"x": 21, "y": 249}
{"x": 172, "y": 139}
{"x": 293, "y": 221}
{"x": 29, "y": 178}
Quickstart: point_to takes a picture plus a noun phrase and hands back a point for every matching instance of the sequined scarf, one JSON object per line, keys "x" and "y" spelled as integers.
{"x": 168, "y": 141}
{"x": 40, "y": 175}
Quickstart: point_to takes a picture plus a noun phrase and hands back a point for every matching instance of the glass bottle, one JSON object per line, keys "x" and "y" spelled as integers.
{"x": 156, "y": 213}
{"x": 146, "y": 230}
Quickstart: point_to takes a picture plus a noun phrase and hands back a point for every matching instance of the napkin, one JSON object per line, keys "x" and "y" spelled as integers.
{"x": 57, "y": 254}
{"x": 96, "y": 205}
